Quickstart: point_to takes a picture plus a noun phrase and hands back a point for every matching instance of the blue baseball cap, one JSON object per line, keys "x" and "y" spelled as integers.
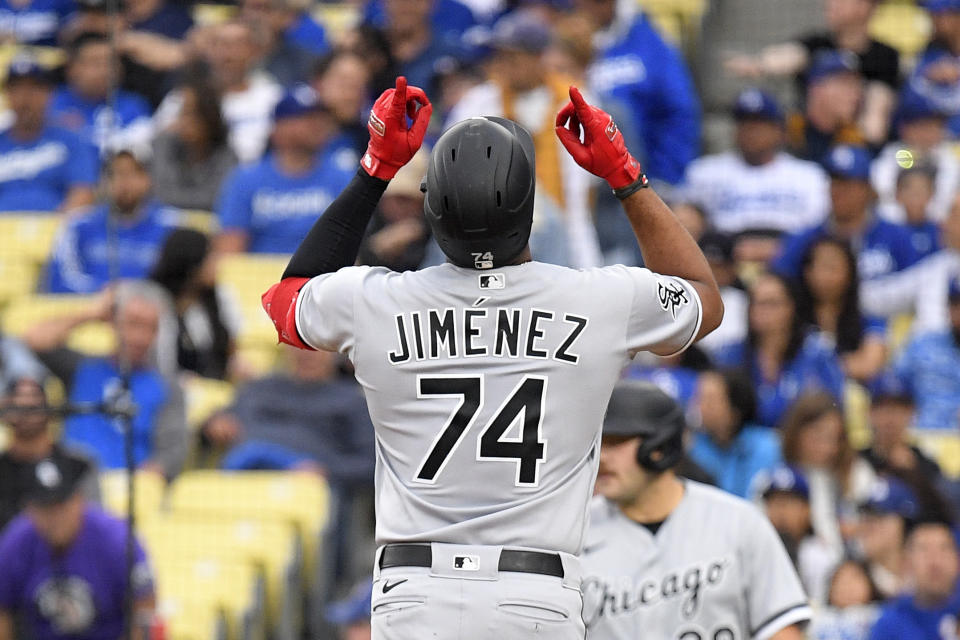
{"x": 300, "y": 99}
{"x": 783, "y": 479}
{"x": 890, "y": 386}
{"x": 756, "y": 104}
{"x": 891, "y": 496}
{"x": 848, "y": 162}
{"x": 25, "y": 67}
{"x": 937, "y": 6}
{"x": 352, "y": 609}
{"x": 521, "y": 31}
{"x": 916, "y": 106}
{"x": 830, "y": 63}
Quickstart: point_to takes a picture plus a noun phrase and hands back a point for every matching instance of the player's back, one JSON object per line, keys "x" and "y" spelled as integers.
{"x": 488, "y": 388}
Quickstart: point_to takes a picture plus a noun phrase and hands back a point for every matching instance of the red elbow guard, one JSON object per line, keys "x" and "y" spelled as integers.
{"x": 280, "y": 303}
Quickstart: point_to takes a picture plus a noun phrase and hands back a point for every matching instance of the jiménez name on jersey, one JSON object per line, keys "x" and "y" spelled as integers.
{"x": 605, "y": 597}
{"x": 515, "y": 333}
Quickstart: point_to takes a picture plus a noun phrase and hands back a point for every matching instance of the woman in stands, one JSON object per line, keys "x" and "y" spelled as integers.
{"x": 814, "y": 438}
{"x": 828, "y": 301}
{"x": 206, "y": 320}
{"x": 780, "y": 356}
{"x": 192, "y": 157}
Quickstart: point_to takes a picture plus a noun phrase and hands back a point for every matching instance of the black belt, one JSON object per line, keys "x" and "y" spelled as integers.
{"x": 420, "y": 555}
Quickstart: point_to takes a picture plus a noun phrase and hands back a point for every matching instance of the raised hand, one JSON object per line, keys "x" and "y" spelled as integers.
{"x": 392, "y": 144}
{"x": 602, "y": 151}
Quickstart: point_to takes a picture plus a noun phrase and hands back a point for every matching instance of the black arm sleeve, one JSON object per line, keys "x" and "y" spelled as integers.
{"x": 334, "y": 239}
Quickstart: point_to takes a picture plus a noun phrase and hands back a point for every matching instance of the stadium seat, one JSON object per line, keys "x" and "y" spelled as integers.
{"x": 299, "y": 499}
{"x": 95, "y": 338}
{"x": 944, "y": 446}
{"x": 247, "y": 277}
{"x": 336, "y": 17}
{"x": 272, "y": 547}
{"x": 856, "y": 409}
{"x": 902, "y": 25}
{"x": 204, "y": 397}
{"x": 261, "y": 359}
{"x": 26, "y": 240}
{"x": 149, "y": 490}
{"x": 191, "y": 620}
{"x": 202, "y": 221}
{"x": 207, "y": 14}
{"x": 234, "y": 589}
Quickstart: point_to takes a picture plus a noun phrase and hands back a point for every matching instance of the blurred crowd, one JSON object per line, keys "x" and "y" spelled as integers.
{"x": 828, "y": 207}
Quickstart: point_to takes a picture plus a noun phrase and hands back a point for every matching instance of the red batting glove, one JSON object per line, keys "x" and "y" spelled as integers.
{"x": 391, "y": 143}
{"x": 602, "y": 152}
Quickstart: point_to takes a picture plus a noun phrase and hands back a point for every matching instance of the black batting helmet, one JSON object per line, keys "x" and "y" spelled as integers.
{"x": 640, "y": 409}
{"x": 479, "y": 192}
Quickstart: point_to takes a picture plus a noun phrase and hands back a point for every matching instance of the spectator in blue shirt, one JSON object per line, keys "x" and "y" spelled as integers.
{"x": 915, "y": 192}
{"x": 89, "y": 105}
{"x": 269, "y": 206}
{"x": 781, "y": 358}
{"x": 415, "y": 44}
{"x": 729, "y": 445}
{"x": 322, "y": 426}
{"x": 42, "y": 167}
{"x": 930, "y": 610}
{"x": 64, "y": 567}
{"x": 118, "y": 238}
{"x": 283, "y": 58}
{"x": 35, "y": 22}
{"x": 881, "y": 247}
{"x": 635, "y": 66}
{"x": 137, "y": 310}
{"x": 930, "y": 363}
{"x": 829, "y": 302}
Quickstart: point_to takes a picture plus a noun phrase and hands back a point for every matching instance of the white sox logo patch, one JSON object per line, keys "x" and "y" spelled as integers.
{"x": 671, "y": 296}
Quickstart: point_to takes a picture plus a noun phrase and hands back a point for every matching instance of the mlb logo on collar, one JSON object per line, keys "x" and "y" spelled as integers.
{"x": 492, "y": 281}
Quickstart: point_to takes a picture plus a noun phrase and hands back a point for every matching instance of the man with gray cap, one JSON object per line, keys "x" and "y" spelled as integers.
{"x": 671, "y": 558}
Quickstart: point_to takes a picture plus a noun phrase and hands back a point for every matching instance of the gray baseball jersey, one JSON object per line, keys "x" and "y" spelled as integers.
{"x": 714, "y": 570}
{"x": 487, "y": 389}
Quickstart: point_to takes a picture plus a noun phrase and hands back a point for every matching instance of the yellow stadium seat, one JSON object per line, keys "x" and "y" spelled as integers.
{"x": 300, "y": 499}
{"x": 192, "y": 621}
{"x": 204, "y": 397}
{"x": 202, "y": 221}
{"x": 207, "y": 14}
{"x": 17, "y": 278}
{"x": 149, "y": 490}
{"x": 26, "y": 241}
{"x": 28, "y": 235}
{"x": 902, "y": 25}
{"x": 943, "y": 446}
{"x": 856, "y": 407}
{"x": 95, "y": 338}
{"x": 247, "y": 277}
{"x": 4, "y": 437}
{"x": 233, "y": 588}
{"x": 273, "y": 547}
{"x": 336, "y": 17}
{"x": 261, "y": 359}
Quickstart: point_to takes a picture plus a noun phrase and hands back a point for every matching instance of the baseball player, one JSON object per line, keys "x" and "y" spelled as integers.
{"x": 673, "y": 559}
{"x": 487, "y": 377}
